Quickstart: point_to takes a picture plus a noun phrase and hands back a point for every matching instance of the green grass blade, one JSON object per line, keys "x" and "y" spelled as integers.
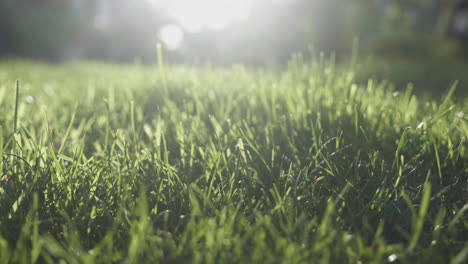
{"x": 421, "y": 217}
{"x": 439, "y": 167}
{"x": 162, "y": 71}
{"x": 1, "y": 150}
{"x": 15, "y": 119}
{"x": 461, "y": 257}
{"x": 67, "y": 133}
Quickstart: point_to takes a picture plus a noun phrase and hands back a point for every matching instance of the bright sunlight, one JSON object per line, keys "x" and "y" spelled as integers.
{"x": 195, "y": 16}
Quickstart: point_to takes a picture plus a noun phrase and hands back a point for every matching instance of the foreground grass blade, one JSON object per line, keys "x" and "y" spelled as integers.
{"x": 421, "y": 216}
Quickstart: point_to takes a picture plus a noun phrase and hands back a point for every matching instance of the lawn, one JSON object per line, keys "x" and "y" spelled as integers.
{"x": 108, "y": 163}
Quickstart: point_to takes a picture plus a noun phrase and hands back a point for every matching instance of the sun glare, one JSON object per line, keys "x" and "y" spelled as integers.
{"x": 171, "y": 36}
{"x": 195, "y": 16}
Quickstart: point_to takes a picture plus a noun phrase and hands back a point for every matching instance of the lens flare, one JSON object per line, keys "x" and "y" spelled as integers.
{"x": 172, "y": 36}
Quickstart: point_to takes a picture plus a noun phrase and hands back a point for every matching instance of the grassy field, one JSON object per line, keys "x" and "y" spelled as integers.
{"x": 138, "y": 164}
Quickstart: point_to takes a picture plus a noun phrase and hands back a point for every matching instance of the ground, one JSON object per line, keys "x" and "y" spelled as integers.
{"x": 109, "y": 164}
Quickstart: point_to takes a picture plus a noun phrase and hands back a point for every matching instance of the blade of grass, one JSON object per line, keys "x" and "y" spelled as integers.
{"x": 1, "y": 150}
{"x": 461, "y": 257}
{"x": 422, "y": 215}
{"x": 65, "y": 137}
{"x": 15, "y": 120}
{"x": 457, "y": 217}
{"x": 162, "y": 72}
{"x": 439, "y": 169}
{"x": 448, "y": 100}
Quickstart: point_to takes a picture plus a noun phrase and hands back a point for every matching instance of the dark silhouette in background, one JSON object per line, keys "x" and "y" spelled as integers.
{"x": 73, "y": 29}
{"x": 459, "y": 22}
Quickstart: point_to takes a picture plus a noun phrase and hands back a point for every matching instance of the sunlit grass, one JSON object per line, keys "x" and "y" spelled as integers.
{"x": 137, "y": 164}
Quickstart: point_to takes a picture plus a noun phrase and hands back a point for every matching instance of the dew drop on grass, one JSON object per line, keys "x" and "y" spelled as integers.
{"x": 392, "y": 258}
{"x": 29, "y": 99}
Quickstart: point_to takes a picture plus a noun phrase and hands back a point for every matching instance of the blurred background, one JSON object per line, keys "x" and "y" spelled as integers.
{"x": 419, "y": 36}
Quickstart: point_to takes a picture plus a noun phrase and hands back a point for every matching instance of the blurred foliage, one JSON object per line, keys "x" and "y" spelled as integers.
{"x": 414, "y": 47}
{"x": 50, "y": 29}
{"x": 431, "y": 77}
{"x": 36, "y": 31}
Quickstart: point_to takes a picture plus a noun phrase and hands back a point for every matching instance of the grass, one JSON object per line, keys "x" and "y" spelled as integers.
{"x": 136, "y": 164}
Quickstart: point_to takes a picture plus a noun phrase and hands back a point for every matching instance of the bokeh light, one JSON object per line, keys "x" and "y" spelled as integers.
{"x": 172, "y": 36}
